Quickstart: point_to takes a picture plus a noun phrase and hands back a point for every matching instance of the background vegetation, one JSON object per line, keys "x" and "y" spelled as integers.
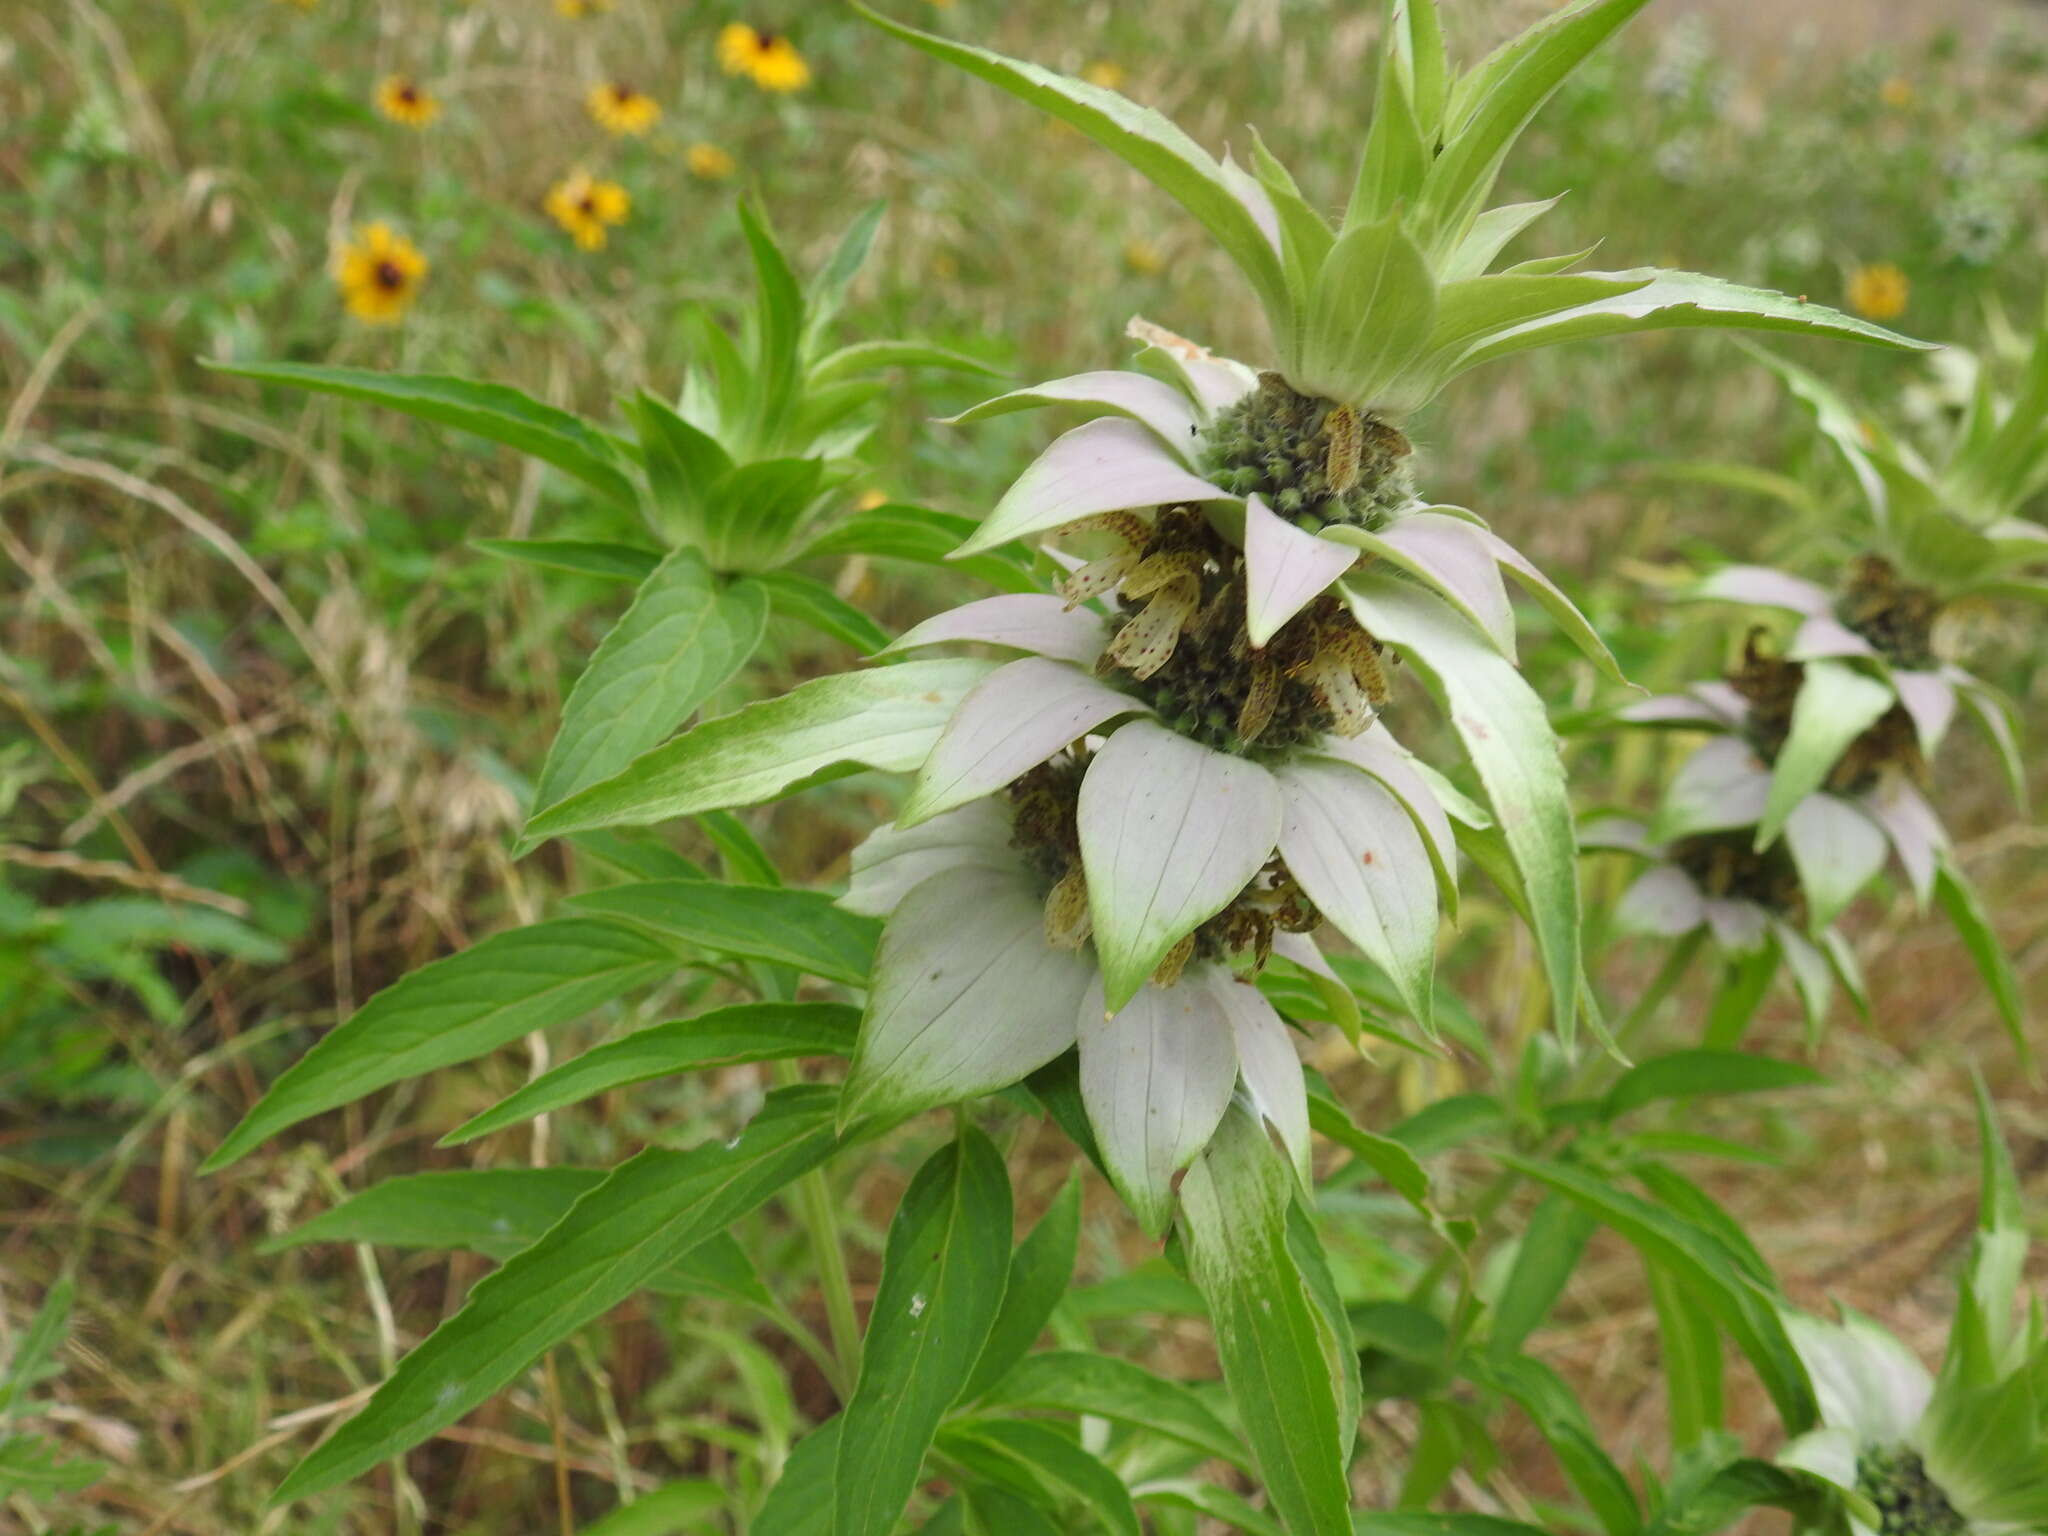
{"x": 267, "y": 717}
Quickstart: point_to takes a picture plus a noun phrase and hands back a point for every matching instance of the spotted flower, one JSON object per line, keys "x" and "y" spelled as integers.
{"x": 404, "y": 100}
{"x": 621, "y": 110}
{"x": 708, "y": 162}
{"x": 1828, "y": 759}
{"x": 586, "y": 208}
{"x": 1961, "y": 1453}
{"x": 769, "y": 59}
{"x": 379, "y": 273}
{"x": 1094, "y": 881}
{"x": 1879, "y": 291}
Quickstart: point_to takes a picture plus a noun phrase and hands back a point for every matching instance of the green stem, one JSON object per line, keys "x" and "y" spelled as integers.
{"x": 821, "y": 1226}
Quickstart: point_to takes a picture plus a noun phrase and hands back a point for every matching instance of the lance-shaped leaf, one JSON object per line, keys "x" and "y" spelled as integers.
{"x": 1489, "y": 234}
{"x": 1040, "y": 1271}
{"x": 1107, "y": 465}
{"x": 454, "y": 1009}
{"x": 1173, "y": 417}
{"x": 1508, "y": 737}
{"x": 1107, "y": 1387}
{"x": 1158, "y": 150}
{"x": 1965, "y": 909}
{"x": 1276, "y": 1350}
{"x": 1711, "y": 1273}
{"x": 942, "y": 1283}
{"x": 683, "y": 636}
{"x": 807, "y": 601}
{"x": 1562, "y": 610}
{"x": 1020, "y": 1452}
{"x": 1671, "y": 300}
{"x": 1170, "y": 833}
{"x": 1013, "y": 720}
{"x": 895, "y": 531}
{"x": 648, "y": 1213}
{"x": 1397, "y": 153}
{"x": 805, "y": 930}
{"x": 886, "y": 718}
{"x": 1285, "y": 569}
{"x": 743, "y": 1032}
{"x": 967, "y": 996}
{"x": 1156, "y": 1077}
{"x": 494, "y": 411}
{"x": 1369, "y": 316}
{"x": 1494, "y": 103}
{"x": 612, "y": 562}
{"x": 1836, "y": 704}
{"x": 1356, "y": 852}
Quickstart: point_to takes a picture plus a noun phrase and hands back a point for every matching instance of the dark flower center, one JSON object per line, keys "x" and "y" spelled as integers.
{"x": 622, "y": 94}
{"x": 1726, "y": 865}
{"x": 1184, "y": 594}
{"x": 766, "y": 41}
{"x": 1312, "y": 461}
{"x": 1770, "y": 685}
{"x": 1045, "y": 829}
{"x": 1909, "y": 1502}
{"x": 408, "y": 94}
{"x": 389, "y": 276}
{"x": 587, "y": 203}
{"x": 1895, "y": 616}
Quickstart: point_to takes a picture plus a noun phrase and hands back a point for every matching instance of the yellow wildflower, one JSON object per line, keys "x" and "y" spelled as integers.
{"x": 1879, "y": 291}
{"x": 619, "y": 109}
{"x": 1142, "y": 257}
{"x": 871, "y": 499}
{"x": 1106, "y": 73}
{"x": 768, "y": 59}
{"x": 401, "y": 99}
{"x": 709, "y": 162}
{"x": 1896, "y": 92}
{"x": 379, "y": 273}
{"x": 584, "y": 207}
{"x": 576, "y": 10}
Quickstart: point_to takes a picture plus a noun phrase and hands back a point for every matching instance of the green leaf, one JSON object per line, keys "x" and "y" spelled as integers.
{"x": 804, "y": 929}
{"x": 1396, "y": 155}
{"x": 814, "y": 604}
{"x": 32, "y": 1349}
{"x": 1108, "y": 1387}
{"x": 1476, "y": 307}
{"x": 1835, "y": 705}
{"x": 1673, "y": 300}
{"x": 1040, "y": 1271}
{"x": 678, "y": 643}
{"x": 778, "y": 323}
{"x": 670, "y": 1510}
{"x": 494, "y": 411}
{"x": 685, "y": 465}
{"x": 754, "y": 512}
{"x": 1711, "y": 1274}
{"x": 942, "y": 1284}
{"x": 455, "y": 1009}
{"x": 30, "y": 1465}
{"x": 614, "y": 562}
{"x": 1495, "y": 103}
{"x": 1965, "y": 909}
{"x": 1049, "y": 1459}
{"x": 1369, "y": 317}
{"x": 1367, "y": 1523}
{"x": 887, "y": 718}
{"x": 897, "y": 531}
{"x": 1542, "y": 1394}
{"x": 800, "y": 1503}
{"x": 1692, "y": 1358}
{"x": 743, "y": 1032}
{"x": 1549, "y": 1250}
{"x": 1685, "y": 1074}
{"x": 1276, "y": 1350}
{"x": 1393, "y": 1162}
{"x": 1208, "y": 1499}
{"x": 647, "y": 1214}
{"x": 873, "y": 356}
{"x": 1490, "y": 232}
{"x": 1508, "y": 737}
{"x": 1152, "y": 145}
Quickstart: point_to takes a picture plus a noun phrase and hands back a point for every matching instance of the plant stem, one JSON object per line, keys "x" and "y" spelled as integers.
{"x": 821, "y": 1227}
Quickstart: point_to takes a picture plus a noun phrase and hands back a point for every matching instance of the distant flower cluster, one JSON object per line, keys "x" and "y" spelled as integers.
{"x": 380, "y": 272}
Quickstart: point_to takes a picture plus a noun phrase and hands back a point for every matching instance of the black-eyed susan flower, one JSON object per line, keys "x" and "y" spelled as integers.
{"x": 619, "y": 109}
{"x": 767, "y": 58}
{"x": 379, "y": 273}
{"x": 1879, "y": 291}
{"x": 404, "y": 100}
{"x": 585, "y": 207}
{"x": 708, "y": 162}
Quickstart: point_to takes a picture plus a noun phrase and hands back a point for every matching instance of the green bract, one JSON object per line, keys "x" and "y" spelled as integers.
{"x": 1395, "y": 301}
